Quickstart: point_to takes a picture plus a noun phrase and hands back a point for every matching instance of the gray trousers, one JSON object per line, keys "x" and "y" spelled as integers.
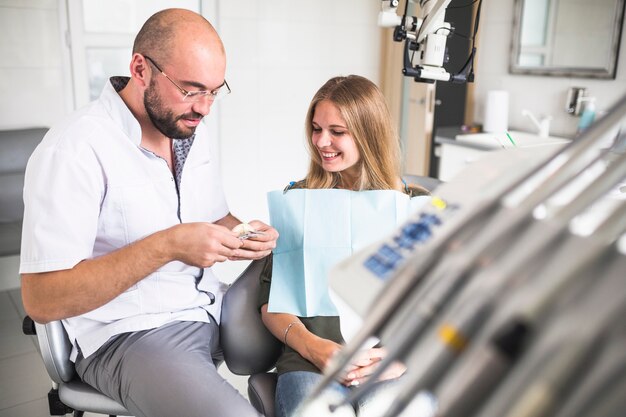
{"x": 165, "y": 372}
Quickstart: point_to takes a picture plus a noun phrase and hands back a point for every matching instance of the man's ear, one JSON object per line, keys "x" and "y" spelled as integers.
{"x": 140, "y": 70}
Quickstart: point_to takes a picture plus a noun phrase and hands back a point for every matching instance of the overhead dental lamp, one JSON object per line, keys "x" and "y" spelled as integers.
{"x": 425, "y": 39}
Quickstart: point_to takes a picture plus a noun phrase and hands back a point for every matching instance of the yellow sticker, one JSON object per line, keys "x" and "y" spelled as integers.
{"x": 439, "y": 203}
{"x": 451, "y": 337}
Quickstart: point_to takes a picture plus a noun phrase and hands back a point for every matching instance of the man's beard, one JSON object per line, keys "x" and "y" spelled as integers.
{"x": 165, "y": 120}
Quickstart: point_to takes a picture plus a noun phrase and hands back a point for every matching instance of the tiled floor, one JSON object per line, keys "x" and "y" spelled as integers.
{"x": 24, "y": 383}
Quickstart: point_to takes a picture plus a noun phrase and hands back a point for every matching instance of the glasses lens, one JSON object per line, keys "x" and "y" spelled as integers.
{"x": 221, "y": 93}
{"x": 195, "y": 96}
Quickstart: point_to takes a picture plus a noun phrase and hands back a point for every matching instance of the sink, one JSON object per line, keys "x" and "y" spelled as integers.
{"x": 500, "y": 140}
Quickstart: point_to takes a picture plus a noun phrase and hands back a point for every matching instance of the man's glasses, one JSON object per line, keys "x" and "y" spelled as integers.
{"x": 195, "y": 96}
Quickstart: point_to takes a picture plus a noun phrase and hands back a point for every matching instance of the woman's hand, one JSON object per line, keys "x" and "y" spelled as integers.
{"x": 320, "y": 351}
{"x": 290, "y": 330}
{"x": 366, "y": 363}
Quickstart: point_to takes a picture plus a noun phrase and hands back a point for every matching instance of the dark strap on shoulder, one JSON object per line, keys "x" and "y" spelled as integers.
{"x": 289, "y": 186}
{"x": 406, "y": 186}
{"x": 294, "y": 185}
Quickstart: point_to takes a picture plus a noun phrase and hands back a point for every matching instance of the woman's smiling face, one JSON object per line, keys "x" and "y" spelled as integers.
{"x": 335, "y": 144}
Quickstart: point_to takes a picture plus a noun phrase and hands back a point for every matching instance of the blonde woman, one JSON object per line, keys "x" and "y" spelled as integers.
{"x": 353, "y": 146}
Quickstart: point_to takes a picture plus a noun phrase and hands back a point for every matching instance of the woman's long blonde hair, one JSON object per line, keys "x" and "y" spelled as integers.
{"x": 365, "y": 112}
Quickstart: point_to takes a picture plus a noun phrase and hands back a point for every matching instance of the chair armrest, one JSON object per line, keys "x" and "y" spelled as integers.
{"x": 28, "y": 326}
{"x": 249, "y": 347}
{"x": 262, "y": 392}
{"x": 428, "y": 183}
{"x": 55, "y": 349}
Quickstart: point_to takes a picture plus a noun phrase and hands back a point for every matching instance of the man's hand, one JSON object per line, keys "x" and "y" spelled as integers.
{"x": 203, "y": 244}
{"x": 91, "y": 283}
{"x": 259, "y": 245}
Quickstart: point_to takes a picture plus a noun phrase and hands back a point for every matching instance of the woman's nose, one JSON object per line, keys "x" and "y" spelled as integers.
{"x": 323, "y": 139}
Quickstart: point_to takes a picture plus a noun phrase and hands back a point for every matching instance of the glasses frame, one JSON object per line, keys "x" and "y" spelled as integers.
{"x": 193, "y": 95}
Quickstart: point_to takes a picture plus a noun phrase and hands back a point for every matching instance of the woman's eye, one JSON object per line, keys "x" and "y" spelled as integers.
{"x": 317, "y": 129}
{"x": 337, "y": 133}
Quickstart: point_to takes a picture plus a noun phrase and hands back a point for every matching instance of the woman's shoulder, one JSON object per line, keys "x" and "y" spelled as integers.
{"x": 415, "y": 190}
{"x": 294, "y": 185}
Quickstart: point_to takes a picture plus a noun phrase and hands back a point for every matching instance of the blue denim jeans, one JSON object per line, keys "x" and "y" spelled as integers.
{"x": 294, "y": 387}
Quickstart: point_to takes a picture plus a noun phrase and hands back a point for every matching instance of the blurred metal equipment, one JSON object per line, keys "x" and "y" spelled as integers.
{"x": 505, "y": 296}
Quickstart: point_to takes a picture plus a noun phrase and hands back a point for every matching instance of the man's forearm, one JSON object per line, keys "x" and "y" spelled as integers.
{"x": 56, "y": 295}
{"x": 229, "y": 221}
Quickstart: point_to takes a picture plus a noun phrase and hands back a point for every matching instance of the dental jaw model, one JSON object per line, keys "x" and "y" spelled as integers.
{"x": 245, "y": 231}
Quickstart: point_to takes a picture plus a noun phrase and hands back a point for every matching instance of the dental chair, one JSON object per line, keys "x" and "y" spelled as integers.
{"x": 68, "y": 394}
{"x": 249, "y": 348}
{"x": 429, "y": 183}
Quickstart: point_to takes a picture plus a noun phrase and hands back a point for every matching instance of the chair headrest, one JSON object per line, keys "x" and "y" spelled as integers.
{"x": 16, "y": 146}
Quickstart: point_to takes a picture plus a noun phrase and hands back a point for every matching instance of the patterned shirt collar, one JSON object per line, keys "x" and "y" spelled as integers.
{"x": 180, "y": 147}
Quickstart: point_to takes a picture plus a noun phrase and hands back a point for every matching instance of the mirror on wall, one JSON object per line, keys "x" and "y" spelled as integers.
{"x": 567, "y": 38}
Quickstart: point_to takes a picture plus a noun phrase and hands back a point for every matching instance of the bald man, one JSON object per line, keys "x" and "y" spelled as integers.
{"x": 124, "y": 216}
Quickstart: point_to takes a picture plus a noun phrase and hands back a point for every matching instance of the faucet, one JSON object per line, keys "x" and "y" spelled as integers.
{"x": 575, "y": 96}
{"x": 543, "y": 125}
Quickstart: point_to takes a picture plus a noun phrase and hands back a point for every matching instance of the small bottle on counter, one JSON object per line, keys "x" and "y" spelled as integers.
{"x": 588, "y": 115}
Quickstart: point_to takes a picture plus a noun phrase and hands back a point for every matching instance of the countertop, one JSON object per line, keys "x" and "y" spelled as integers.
{"x": 493, "y": 141}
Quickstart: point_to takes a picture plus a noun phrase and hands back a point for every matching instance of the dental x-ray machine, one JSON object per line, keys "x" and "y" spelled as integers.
{"x": 425, "y": 39}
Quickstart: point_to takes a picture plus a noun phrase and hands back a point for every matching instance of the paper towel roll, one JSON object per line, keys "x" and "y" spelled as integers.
{"x": 496, "y": 111}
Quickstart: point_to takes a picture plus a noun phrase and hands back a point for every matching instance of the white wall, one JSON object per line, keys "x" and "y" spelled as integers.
{"x": 279, "y": 53}
{"x": 32, "y": 80}
{"x": 541, "y": 95}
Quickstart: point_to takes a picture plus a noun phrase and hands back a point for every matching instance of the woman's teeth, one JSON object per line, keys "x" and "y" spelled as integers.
{"x": 330, "y": 155}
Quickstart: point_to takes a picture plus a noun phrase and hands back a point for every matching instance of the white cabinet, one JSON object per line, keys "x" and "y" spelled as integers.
{"x": 455, "y": 154}
{"x": 453, "y": 158}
